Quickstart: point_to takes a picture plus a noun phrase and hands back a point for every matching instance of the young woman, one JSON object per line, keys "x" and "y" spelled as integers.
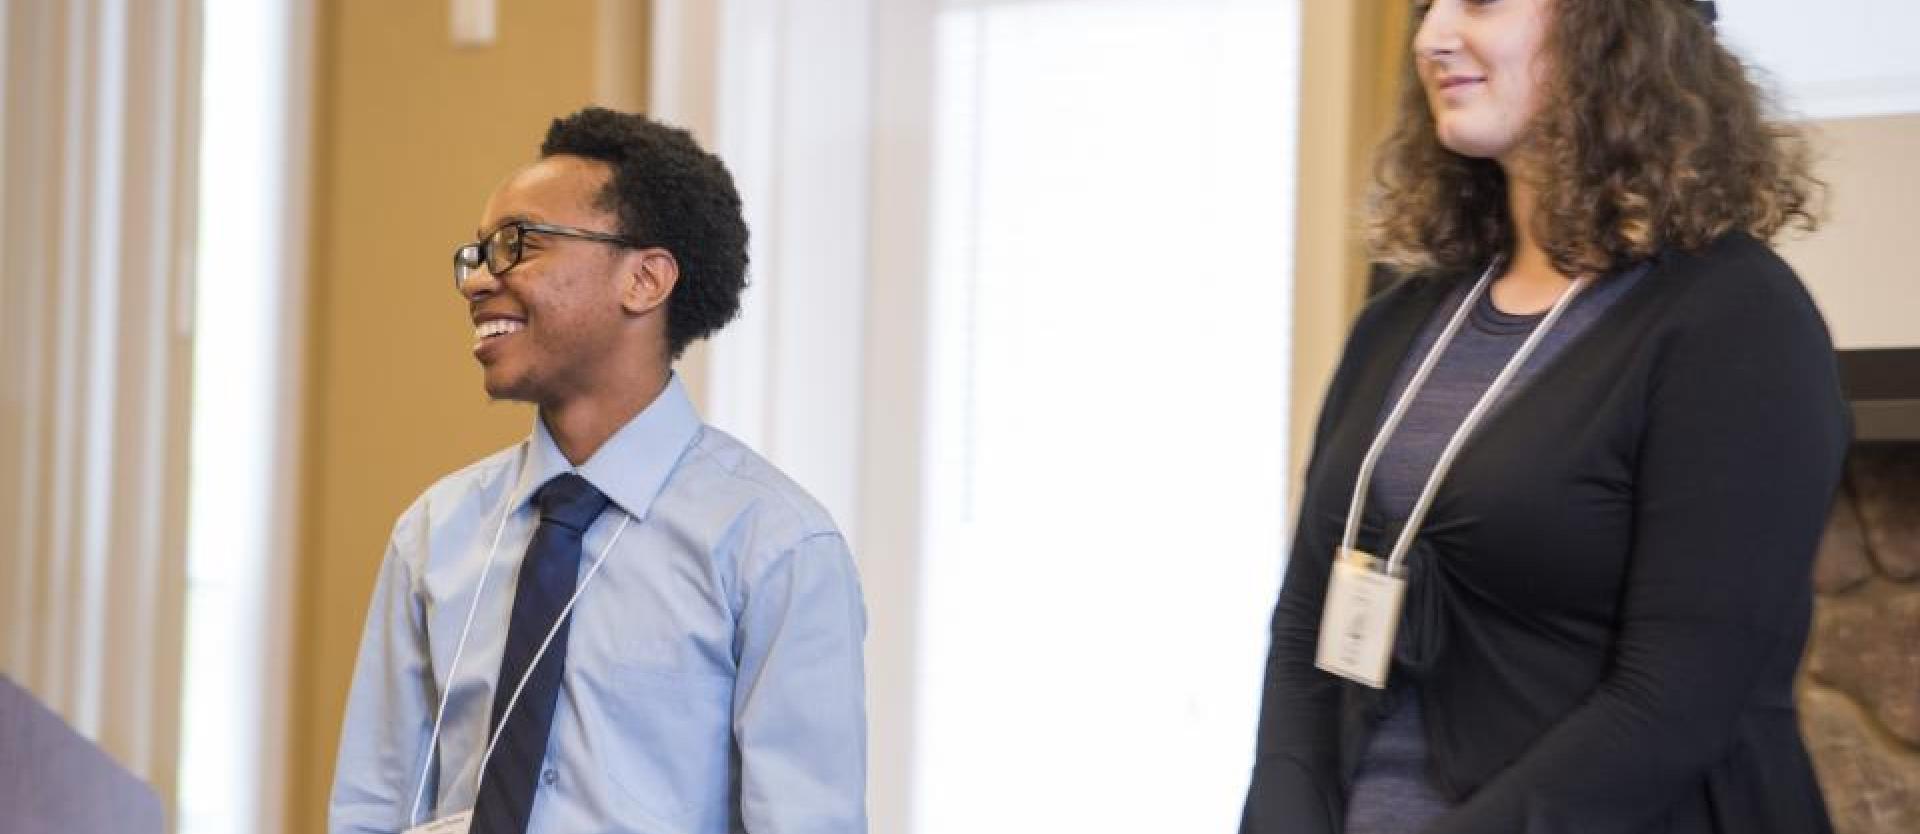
{"x": 1591, "y": 438}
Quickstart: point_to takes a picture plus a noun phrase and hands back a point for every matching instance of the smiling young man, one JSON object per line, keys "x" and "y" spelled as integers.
{"x": 627, "y": 622}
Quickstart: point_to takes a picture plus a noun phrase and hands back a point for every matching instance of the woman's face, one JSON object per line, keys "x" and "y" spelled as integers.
{"x": 1479, "y": 61}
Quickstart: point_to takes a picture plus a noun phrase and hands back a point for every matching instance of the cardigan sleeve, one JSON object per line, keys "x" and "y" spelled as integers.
{"x": 1739, "y": 456}
{"x": 1296, "y": 786}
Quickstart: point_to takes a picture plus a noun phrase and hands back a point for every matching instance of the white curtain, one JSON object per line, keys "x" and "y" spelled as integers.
{"x": 96, "y": 211}
{"x": 811, "y": 103}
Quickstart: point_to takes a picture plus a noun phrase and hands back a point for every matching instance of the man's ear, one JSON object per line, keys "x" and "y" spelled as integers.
{"x": 651, "y": 275}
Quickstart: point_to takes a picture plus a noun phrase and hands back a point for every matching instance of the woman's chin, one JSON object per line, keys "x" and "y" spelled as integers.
{"x": 1475, "y": 144}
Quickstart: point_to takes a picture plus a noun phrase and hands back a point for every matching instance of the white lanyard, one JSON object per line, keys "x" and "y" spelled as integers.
{"x": 1467, "y": 425}
{"x": 1361, "y": 610}
{"x": 506, "y": 512}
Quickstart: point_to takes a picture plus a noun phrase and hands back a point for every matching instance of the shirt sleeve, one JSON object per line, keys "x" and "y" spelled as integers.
{"x": 383, "y": 736}
{"x": 799, "y": 704}
{"x": 1740, "y": 455}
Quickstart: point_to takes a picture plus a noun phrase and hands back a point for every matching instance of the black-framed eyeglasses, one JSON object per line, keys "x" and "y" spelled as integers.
{"x": 500, "y": 251}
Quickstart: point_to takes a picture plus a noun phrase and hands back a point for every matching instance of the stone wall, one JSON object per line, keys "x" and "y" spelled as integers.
{"x": 1860, "y": 687}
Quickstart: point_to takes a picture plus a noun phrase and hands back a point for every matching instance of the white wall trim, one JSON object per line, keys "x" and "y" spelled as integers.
{"x": 274, "y": 745}
{"x": 249, "y": 415}
{"x": 1857, "y": 97}
{"x": 1830, "y": 60}
{"x": 892, "y": 452}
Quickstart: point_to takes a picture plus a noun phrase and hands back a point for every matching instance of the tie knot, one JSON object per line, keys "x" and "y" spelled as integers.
{"x": 569, "y": 501}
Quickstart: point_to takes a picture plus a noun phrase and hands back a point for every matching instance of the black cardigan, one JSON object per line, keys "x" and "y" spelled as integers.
{"x": 1611, "y": 594}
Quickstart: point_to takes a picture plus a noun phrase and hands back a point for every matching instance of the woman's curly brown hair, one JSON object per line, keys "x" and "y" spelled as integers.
{"x": 1650, "y": 135}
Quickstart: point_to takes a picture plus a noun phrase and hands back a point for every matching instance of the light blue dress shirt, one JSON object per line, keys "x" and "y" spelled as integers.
{"x": 714, "y": 678}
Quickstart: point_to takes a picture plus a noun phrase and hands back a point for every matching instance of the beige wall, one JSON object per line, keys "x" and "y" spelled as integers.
{"x": 411, "y": 135}
{"x": 1858, "y": 264}
{"x": 1350, "y": 60}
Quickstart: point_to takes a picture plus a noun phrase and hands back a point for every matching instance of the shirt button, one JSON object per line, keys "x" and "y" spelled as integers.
{"x": 548, "y": 777}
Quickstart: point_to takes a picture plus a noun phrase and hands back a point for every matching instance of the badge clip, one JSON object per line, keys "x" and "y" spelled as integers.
{"x": 1359, "y": 618}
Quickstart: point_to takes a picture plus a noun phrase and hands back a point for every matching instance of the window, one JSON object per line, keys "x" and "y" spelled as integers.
{"x": 247, "y": 315}
{"x": 1107, "y": 400}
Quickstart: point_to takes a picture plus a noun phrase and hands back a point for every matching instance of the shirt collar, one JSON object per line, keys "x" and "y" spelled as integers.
{"x": 632, "y": 466}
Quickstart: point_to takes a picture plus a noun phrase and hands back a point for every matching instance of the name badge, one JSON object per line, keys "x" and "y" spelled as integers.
{"x": 1359, "y": 618}
{"x": 453, "y": 824}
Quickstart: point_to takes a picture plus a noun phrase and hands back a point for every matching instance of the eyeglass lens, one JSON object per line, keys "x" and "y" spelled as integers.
{"x": 503, "y": 248}
{"x": 500, "y": 251}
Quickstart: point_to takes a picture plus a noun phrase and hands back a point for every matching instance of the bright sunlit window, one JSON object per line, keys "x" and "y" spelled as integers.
{"x": 1108, "y": 397}
{"x": 239, "y": 295}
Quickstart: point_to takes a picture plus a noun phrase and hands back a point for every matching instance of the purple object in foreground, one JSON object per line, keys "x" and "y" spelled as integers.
{"x": 53, "y": 781}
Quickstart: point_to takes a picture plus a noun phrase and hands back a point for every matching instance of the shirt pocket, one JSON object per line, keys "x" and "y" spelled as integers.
{"x": 669, "y": 740}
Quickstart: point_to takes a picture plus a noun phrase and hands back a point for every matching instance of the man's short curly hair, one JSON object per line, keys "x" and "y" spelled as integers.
{"x": 668, "y": 192}
{"x": 1650, "y": 136}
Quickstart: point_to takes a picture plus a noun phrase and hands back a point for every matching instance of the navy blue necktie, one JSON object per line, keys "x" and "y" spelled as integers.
{"x": 568, "y": 505}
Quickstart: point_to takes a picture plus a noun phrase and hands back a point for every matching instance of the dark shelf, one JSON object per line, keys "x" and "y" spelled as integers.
{"x": 1884, "y": 387}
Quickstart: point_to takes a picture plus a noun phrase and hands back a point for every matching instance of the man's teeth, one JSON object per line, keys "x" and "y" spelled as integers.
{"x": 497, "y": 327}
